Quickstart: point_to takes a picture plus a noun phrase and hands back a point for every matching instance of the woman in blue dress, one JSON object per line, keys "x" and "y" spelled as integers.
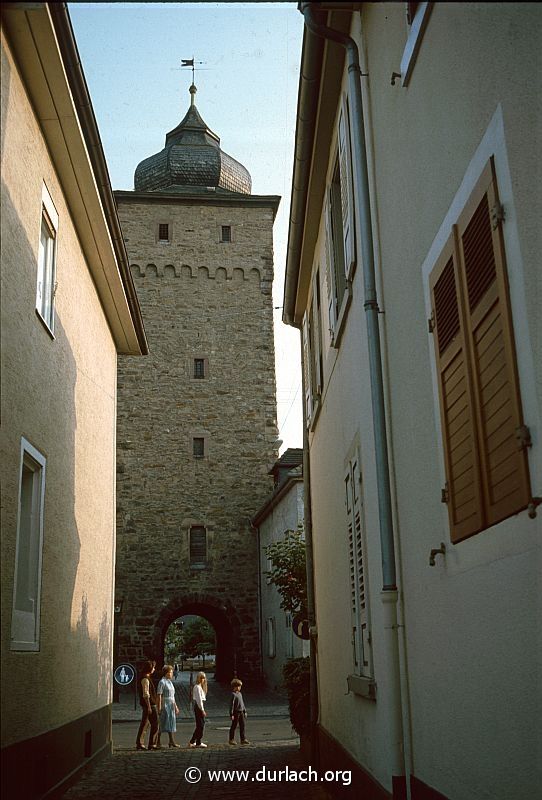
{"x": 166, "y": 706}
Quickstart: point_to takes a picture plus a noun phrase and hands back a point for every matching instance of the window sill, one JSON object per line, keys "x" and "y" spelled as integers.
{"x": 362, "y": 686}
{"x": 45, "y": 325}
{"x": 198, "y": 567}
{"x": 341, "y": 319}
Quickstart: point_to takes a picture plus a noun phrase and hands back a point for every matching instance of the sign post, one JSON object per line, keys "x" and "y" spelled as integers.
{"x": 124, "y": 675}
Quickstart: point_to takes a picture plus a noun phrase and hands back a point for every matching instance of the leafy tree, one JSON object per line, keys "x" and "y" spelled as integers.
{"x": 296, "y": 674}
{"x": 199, "y": 638}
{"x": 288, "y": 573}
{"x": 174, "y": 642}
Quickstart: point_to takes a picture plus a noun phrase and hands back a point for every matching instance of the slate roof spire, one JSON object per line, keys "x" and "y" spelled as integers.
{"x": 192, "y": 161}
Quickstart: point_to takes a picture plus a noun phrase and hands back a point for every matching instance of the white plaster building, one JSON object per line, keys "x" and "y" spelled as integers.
{"x": 68, "y": 308}
{"x": 283, "y": 511}
{"x": 423, "y": 389}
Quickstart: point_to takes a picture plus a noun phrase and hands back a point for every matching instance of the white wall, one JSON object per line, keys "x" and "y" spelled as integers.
{"x": 286, "y": 515}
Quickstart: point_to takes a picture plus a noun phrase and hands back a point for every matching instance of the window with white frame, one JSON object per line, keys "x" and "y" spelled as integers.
{"x": 45, "y": 289}
{"x": 25, "y": 618}
{"x": 339, "y": 229}
{"x": 312, "y": 353}
{"x": 359, "y": 612}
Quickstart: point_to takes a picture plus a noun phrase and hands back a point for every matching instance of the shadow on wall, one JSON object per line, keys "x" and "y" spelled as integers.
{"x": 53, "y": 724}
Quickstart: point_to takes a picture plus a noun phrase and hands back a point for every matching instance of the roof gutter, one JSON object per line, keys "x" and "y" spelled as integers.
{"x": 81, "y": 98}
{"x": 307, "y": 110}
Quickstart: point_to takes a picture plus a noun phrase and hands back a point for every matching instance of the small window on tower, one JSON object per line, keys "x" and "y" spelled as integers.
{"x": 199, "y": 368}
{"x": 226, "y": 233}
{"x": 198, "y": 547}
{"x": 163, "y": 232}
{"x": 198, "y": 446}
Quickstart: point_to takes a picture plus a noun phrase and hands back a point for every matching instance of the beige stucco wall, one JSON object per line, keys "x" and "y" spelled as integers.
{"x": 470, "y": 628}
{"x": 60, "y": 395}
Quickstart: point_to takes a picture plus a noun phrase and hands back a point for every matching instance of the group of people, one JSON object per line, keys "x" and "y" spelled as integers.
{"x": 159, "y": 709}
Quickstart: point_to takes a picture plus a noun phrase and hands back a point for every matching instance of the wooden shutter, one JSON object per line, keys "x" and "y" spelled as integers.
{"x": 316, "y": 339}
{"x": 505, "y": 474}
{"x": 307, "y": 368}
{"x": 358, "y": 602}
{"x": 463, "y": 489}
{"x": 347, "y": 194}
{"x": 330, "y": 266}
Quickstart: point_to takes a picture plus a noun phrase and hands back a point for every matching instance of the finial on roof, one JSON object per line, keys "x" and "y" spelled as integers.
{"x": 192, "y": 91}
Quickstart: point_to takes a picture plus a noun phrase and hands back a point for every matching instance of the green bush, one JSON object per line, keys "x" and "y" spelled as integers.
{"x": 296, "y": 674}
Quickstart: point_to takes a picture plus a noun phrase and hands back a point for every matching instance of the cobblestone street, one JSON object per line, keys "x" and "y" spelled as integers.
{"x": 185, "y": 773}
{"x": 132, "y": 775}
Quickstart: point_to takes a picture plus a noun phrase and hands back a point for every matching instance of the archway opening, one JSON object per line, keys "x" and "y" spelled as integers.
{"x": 190, "y": 644}
{"x": 228, "y": 652}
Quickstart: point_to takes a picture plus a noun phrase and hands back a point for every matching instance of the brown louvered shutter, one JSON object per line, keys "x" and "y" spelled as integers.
{"x": 504, "y": 466}
{"x": 464, "y": 497}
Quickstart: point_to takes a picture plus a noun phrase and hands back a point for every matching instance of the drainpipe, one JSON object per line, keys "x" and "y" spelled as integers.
{"x": 389, "y": 593}
{"x": 311, "y": 606}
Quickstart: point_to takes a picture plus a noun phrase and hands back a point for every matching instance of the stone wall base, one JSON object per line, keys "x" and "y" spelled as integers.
{"x": 46, "y": 765}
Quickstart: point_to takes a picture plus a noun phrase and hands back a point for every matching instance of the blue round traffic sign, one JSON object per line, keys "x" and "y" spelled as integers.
{"x": 124, "y": 674}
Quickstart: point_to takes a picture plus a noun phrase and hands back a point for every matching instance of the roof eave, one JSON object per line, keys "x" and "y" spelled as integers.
{"x": 42, "y": 40}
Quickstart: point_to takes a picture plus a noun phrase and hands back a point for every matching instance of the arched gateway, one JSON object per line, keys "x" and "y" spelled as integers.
{"x": 229, "y": 641}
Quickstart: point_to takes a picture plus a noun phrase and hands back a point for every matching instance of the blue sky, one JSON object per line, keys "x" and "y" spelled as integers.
{"x": 247, "y": 94}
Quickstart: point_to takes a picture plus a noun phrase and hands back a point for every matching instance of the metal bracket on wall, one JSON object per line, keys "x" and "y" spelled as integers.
{"x": 435, "y": 552}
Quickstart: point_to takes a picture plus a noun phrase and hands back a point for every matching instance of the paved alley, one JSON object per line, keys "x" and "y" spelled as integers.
{"x": 271, "y": 765}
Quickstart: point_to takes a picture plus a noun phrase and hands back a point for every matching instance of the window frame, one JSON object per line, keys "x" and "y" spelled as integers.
{"x": 195, "y": 448}
{"x": 362, "y": 656}
{"x": 36, "y": 462}
{"x": 271, "y": 630}
{"x": 458, "y": 219}
{"x": 416, "y": 29}
{"x": 159, "y": 239}
{"x": 339, "y": 227}
{"x": 221, "y": 229}
{"x": 204, "y": 563}
{"x": 47, "y": 262}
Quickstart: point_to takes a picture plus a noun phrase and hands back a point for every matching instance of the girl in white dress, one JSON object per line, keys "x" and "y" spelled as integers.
{"x": 166, "y": 705}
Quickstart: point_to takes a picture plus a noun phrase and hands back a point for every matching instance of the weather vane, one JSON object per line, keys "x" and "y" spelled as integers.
{"x": 189, "y": 62}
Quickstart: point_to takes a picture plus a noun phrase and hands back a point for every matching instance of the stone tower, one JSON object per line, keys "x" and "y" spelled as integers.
{"x": 197, "y": 418}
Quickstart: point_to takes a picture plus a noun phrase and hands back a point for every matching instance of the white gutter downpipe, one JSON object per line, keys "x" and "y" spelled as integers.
{"x": 363, "y": 218}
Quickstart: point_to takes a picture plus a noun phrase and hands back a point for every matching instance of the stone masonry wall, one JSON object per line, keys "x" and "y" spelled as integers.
{"x": 200, "y": 298}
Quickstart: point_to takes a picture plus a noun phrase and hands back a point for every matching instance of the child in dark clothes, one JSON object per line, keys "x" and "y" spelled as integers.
{"x": 238, "y": 711}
